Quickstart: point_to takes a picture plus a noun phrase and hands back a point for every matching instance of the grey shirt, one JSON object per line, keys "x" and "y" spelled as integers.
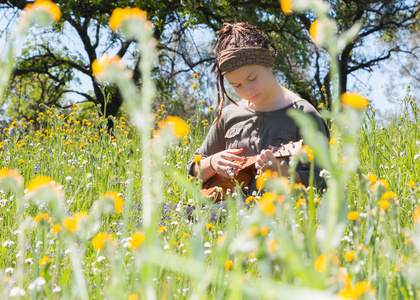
{"x": 242, "y": 127}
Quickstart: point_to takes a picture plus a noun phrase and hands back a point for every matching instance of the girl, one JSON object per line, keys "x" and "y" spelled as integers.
{"x": 245, "y": 57}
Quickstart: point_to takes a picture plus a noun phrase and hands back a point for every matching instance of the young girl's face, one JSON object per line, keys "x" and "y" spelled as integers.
{"x": 253, "y": 83}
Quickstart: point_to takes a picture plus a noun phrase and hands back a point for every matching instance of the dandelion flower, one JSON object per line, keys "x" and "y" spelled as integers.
{"x": 104, "y": 61}
{"x": 249, "y": 199}
{"x": 371, "y": 177}
{"x": 161, "y": 229}
{"x": 99, "y": 240}
{"x": 118, "y": 200}
{"x": 194, "y": 86}
{"x": 44, "y": 216}
{"x": 228, "y": 265}
{"x": 320, "y": 263}
{"x": 262, "y": 178}
{"x": 56, "y": 228}
{"x": 121, "y": 14}
{"x": 136, "y": 240}
{"x": 384, "y": 204}
{"x": 268, "y": 208}
{"x": 180, "y": 127}
{"x": 349, "y": 256}
{"x": 271, "y": 245}
{"x": 286, "y": 6}
{"x": 355, "y": 100}
{"x": 221, "y": 239}
{"x": 47, "y": 6}
{"x": 133, "y": 297}
{"x": 315, "y": 31}
{"x": 197, "y": 158}
{"x": 309, "y": 153}
{"x": 353, "y": 215}
{"x": 44, "y": 260}
{"x": 411, "y": 184}
{"x": 264, "y": 230}
{"x": 38, "y": 182}
{"x": 389, "y": 195}
{"x": 416, "y": 215}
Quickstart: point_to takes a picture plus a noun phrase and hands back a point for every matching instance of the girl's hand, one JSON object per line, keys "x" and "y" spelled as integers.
{"x": 223, "y": 161}
{"x": 266, "y": 161}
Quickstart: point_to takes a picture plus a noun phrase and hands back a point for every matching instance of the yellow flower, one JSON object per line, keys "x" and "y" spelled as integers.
{"x": 389, "y": 195}
{"x": 118, "y": 201}
{"x": 56, "y": 228}
{"x": 186, "y": 235}
{"x": 416, "y": 215}
{"x": 249, "y": 199}
{"x": 286, "y": 6}
{"x": 354, "y": 99}
{"x": 251, "y": 255}
{"x": 47, "y": 6}
{"x": 136, "y": 240}
{"x": 384, "y": 204}
{"x": 228, "y": 265}
{"x": 268, "y": 208}
{"x": 411, "y": 184}
{"x": 99, "y": 240}
{"x": 209, "y": 226}
{"x": 38, "y": 182}
{"x": 349, "y": 256}
{"x": 264, "y": 230}
{"x": 221, "y": 239}
{"x": 384, "y": 183}
{"x": 332, "y": 141}
{"x": 194, "y": 86}
{"x": 72, "y": 223}
{"x": 104, "y": 61}
{"x": 133, "y": 297}
{"x": 4, "y": 173}
{"x": 195, "y": 75}
{"x": 197, "y": 158}
{"x": 371, "y": 177}
{"x": 42, "y": 216}
{"x": 301, "y": 201}
{"x": 315, "y": 30}
{"x": 271, "y": 245}
{"x": 121, "y": 14}
{"x": 320, "y": 263}
{"x": 308, "y": 152}
{"x": 179, "y": 126}
{"x": 161, "y": 229}
{"x": 262, "y": 178}
{"x": 353, "y": 215}
{"x": 21, "y": 161}
{"x": 44, "y": 260}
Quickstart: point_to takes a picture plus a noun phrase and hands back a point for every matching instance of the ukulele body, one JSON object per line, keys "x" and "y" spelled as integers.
{"x": 218, "y": 185}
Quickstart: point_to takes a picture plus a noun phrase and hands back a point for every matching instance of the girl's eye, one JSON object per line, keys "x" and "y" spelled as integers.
{"x": 237, "y": 86}
{"x": 253, "y": 79}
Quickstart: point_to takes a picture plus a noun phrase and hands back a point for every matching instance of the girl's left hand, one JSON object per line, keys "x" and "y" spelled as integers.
{"x": 266, "y": 161}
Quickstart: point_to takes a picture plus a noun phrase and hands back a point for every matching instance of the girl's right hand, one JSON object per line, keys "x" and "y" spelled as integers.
{"x": 223, "y": 161}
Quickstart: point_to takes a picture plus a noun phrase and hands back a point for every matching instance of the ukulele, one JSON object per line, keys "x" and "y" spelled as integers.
{"x": 217, "y": 185}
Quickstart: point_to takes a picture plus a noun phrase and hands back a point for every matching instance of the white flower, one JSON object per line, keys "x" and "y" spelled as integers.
{"x": 346, "y": 238}
{"x": 56, "y": 289}
{"x": 88, "y": 175}
{"x": 166, "y": 247}
{"x": 207, "y": 252}
{"x": 324, "y": 174}
{"x": 60, "y": 187}
{"x": 68, "y": 178}
{"x": 29, "y": 261}
{"x": 207, "y": 245}
{"x": 9, "y": 270}
{"x": 16, "y": 292}
{"x": 8, "y": 243}
{"x": 52, "y": 182}
{"x": 100, "y": 258}
{"x": 67, "y": 251}
{"x": 38, "y": 282}
{"x": 418, "y": 143}
{"x": 416, "y": 156}
{"x": 89, "y": 185}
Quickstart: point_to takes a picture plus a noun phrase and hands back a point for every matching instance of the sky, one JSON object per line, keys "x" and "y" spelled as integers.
{"x": 372, "y": 84}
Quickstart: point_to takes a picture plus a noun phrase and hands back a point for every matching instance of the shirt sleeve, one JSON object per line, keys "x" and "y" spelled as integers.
{"x": 213, "y": 143}
{"x": 304, "y": 169}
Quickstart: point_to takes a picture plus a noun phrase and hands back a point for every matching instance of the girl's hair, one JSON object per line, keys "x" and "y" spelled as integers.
{"x": 239, "y": 35}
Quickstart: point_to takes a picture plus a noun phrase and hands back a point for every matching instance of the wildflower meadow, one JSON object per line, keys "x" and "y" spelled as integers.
{"x": 90, "y": 213}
